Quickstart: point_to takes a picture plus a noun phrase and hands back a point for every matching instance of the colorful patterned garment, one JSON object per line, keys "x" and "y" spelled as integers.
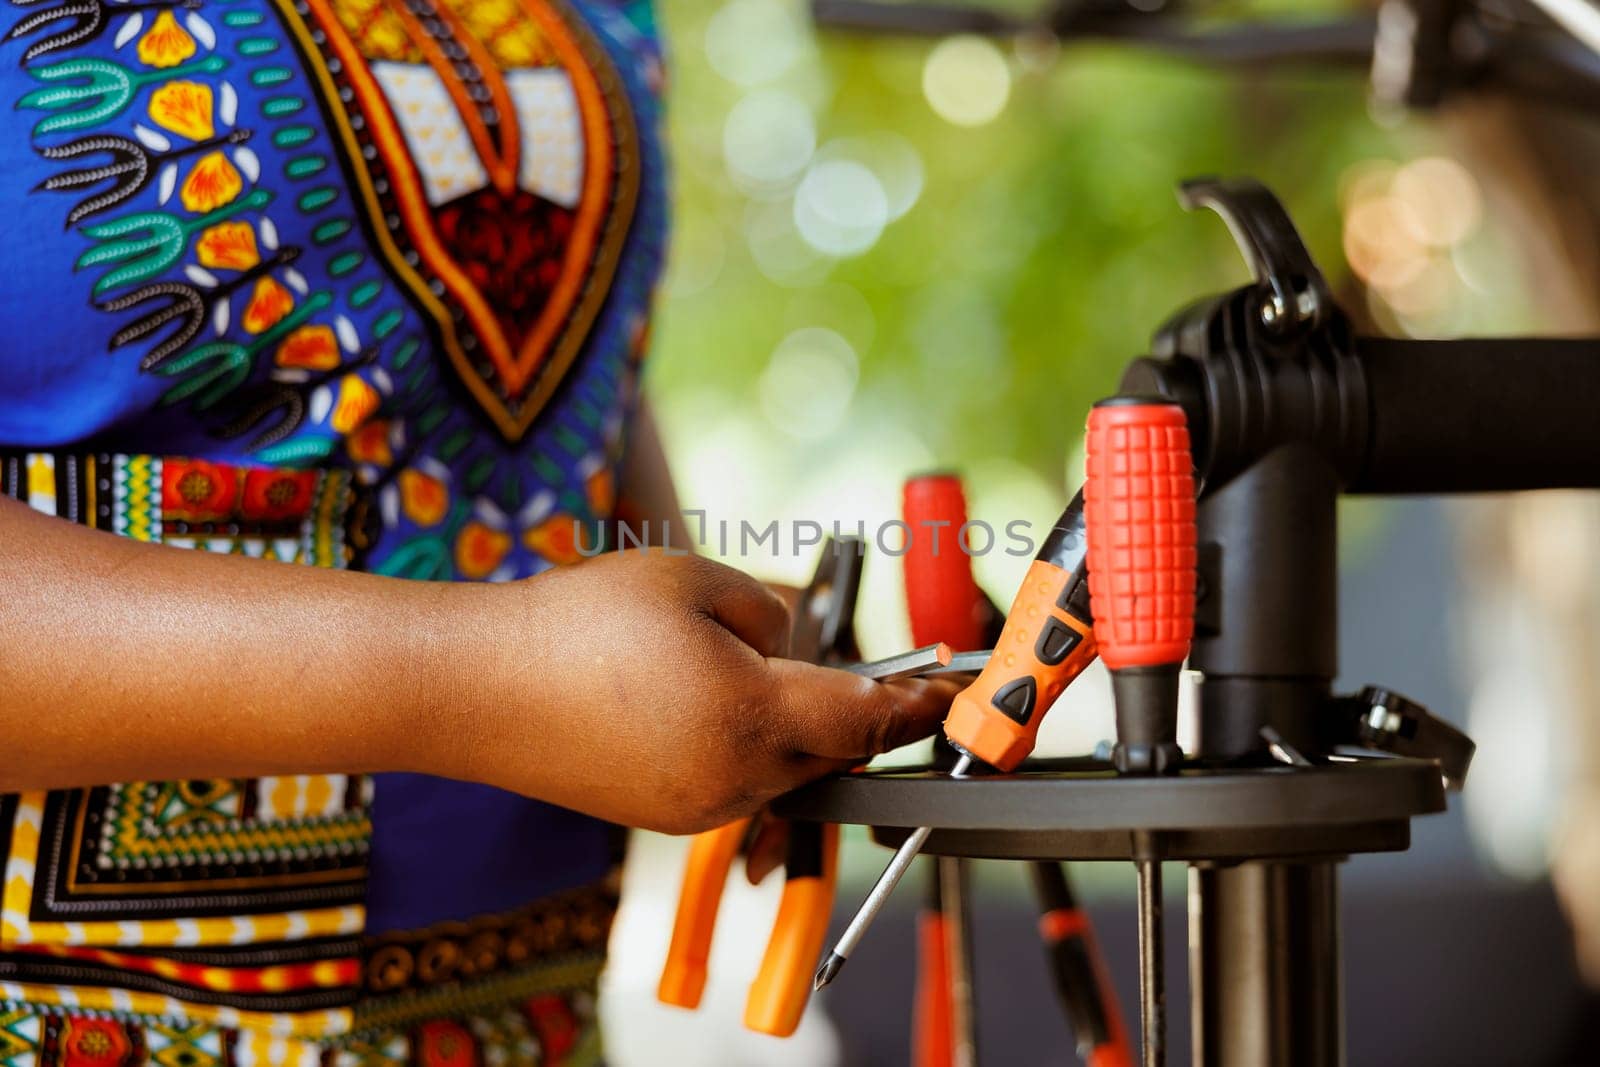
{"x": 343, "y": 283}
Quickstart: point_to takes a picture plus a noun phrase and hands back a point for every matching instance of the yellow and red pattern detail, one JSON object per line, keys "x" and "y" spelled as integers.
{"x": 320, "y": 974}
{"x": 195, "y": 490}
{"x": 93, "y": 1041}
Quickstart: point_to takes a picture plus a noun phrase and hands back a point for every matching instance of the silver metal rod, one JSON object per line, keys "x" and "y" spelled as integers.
{"x": 1152, "y": 977}
{"x": 923, "y": 660}
{"x": 966, "y": 662}
{"x": 880, "y": 893}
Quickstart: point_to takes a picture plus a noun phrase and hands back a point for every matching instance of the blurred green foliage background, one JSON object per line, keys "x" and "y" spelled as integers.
{"x": 1040, "y": 251}
{"x": 860, "y": 288}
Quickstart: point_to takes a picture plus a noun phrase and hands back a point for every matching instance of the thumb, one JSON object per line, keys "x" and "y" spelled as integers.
{"x": 841, "y": 716}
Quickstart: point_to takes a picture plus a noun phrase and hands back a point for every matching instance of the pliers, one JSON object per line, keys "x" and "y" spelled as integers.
{"x": 822, "y": 632}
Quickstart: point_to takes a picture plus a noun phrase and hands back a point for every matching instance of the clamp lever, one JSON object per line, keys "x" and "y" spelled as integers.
{"x": 1381, "y": 719}
{"x": 1295, "y": 298}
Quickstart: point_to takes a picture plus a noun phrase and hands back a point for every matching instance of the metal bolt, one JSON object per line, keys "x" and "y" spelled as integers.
{"x": 1271, "y": 311}
{"x": 1306, "y": 304}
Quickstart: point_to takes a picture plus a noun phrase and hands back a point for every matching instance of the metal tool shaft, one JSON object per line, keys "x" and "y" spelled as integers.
{"x": 918, "y": 661}
{"x": 1152, "y": 974}
{"x": 965, "y": 662}
{"x": 880, "y": 893}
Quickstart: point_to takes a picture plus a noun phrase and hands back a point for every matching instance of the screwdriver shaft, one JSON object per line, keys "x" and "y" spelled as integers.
{"x": 1152, "y": 976}
{"x": 881, "y": 891}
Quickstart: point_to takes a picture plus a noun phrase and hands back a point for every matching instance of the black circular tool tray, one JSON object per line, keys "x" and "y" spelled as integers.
{"x": 1080, "y": 808}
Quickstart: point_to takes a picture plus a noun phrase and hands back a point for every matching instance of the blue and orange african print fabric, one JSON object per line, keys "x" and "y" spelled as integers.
{"x": 342, "y": 283}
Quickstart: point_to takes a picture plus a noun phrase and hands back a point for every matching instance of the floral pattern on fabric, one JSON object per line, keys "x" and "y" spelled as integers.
{"x": 386, "y": 235}
{"x": 340, "y": 283}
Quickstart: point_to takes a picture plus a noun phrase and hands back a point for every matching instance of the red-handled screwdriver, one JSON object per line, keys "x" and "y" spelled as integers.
{"x": 1139, "y": 507}
{"x": 943, "y": 603}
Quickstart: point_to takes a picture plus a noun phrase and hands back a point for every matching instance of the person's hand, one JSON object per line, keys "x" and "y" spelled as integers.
{"x": 650, "y": 690}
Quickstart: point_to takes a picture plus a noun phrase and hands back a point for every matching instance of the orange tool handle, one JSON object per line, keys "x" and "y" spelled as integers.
{"x": 1111, "y": 1054}
{"x": 942, "y": 598}
{"x": 1079, "y": 968}
{"x": 933, "y": 1028}
{"x": 1047, "y": 641}
{"x": 783, "y": 984}
{"x": 711, "y": 855}
{"x": 1069, "y": 939}
{"x": 1139, "y": 510}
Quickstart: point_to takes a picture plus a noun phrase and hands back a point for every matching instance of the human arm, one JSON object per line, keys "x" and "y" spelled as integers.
{"x": 640, "y": 688}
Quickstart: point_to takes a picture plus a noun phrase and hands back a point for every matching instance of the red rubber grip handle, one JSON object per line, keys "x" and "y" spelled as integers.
{"x": 932, "y": 1037}
{"x": 1138, "y": 498}
{"x": 942, "y": 597}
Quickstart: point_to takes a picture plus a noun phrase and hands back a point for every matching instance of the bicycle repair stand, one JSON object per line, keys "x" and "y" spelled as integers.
{"x": 1287, "y": 409}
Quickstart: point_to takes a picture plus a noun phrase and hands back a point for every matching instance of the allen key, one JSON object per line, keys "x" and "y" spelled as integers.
{"x": 930, "y": 659}
{"x": 918, "y": 661}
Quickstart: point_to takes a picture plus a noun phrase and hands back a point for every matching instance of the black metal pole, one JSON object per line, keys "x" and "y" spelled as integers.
{"x": 1265, "y": 965}
{"x": 1265, "y": 973}
{"x": 1266, "y": 635}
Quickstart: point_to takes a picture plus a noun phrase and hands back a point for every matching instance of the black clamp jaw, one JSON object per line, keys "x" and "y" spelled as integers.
{"x": 1272, "y": 380}
{"x": 1382, "y": 720}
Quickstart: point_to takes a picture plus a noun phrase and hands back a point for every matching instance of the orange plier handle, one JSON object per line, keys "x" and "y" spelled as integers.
{"x": 782, "y": 984}
{"x": 711, "y": 854}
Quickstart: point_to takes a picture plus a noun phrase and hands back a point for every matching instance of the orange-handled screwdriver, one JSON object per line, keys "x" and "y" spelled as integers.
{"x": 1047, "y": 641}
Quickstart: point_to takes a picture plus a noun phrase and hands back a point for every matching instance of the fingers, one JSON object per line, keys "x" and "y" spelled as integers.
{"x": 836, "y": 715}
{"x": 752, "y": 612}
{"x": 768, "y": 849}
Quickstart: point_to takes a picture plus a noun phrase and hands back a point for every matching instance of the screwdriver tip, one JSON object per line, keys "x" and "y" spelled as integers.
{"x": 828, "y": 971}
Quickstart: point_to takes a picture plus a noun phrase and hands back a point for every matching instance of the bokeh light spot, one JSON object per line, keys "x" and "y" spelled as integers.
{"x": 840, "y": 207}
{"x": 751, "y": 42}
{"x": 1382, "y": 241}
{"x": 891, "y": 158}
{"x": 808, "y": 383}
{"x": 767, "y": 141}
{"x": 1442, "y": 197}
{"x": 777, "y": 247}
{"x": 966, "y": 80}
